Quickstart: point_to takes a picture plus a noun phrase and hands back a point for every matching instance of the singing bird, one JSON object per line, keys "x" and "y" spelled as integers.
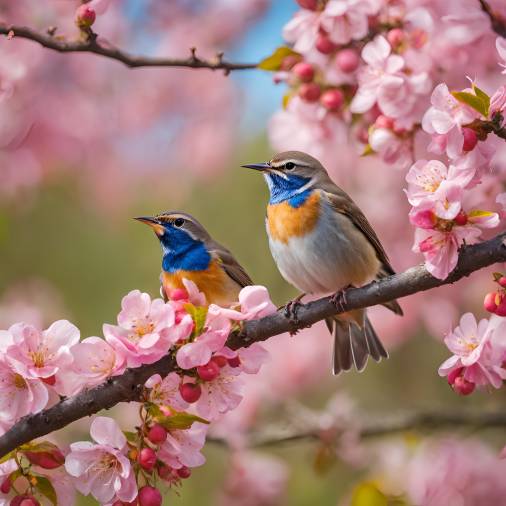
{"x": 322, "y": 243}
{"x": 189, "y": 252}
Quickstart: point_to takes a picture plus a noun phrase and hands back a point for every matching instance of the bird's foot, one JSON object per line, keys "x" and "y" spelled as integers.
{"x": 291, "y": 309}
{"x": 339, "y": 298}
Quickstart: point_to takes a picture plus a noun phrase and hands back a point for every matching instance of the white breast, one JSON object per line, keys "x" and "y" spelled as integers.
{"x": 331, "y": 257}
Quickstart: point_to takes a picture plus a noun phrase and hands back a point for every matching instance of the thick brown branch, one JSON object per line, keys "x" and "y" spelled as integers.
{"x": 389, "y": 425}
{"x": 498, "y": 24}
{"x": 93, "y": 45}
{"x": 127, "y": 387}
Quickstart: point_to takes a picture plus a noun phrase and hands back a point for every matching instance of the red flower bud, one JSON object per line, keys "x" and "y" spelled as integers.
{"x": 395, "y": 37}
{"x": 47, "y": 459}
{"x": 147, "y": 459}
{"x": 234, "y": 362}
{"x": 461, "y": 219}
{"x": 24, "y": 500}
{"x": 453, "y": 375}
{"x": 184, "y": 472}
{"x": 149, "y": 496}
{"x": 178, "y": 294}
{"x": 463, "y": 387}
{"x": 347, "y": 60}
{"x": 5, "y": 488}
{"x": 502, "y": 281}
{"x": 470, "y": 139}
{"x": 324, "y": 44}
{"x": 304, "y": 71}
{"x": 209, "y": 371}
{"x": 190, "y": 392}
{"x": 157, "y": 434}
{"x": 220, "y": 361}
{"x": 85, "y": 16}
{"x": 489, "y": 302}
{"x": 332, "y": 100}
{"x": 500, "y": 300}
{"x": 166, "y": 473}
{"x": 311, "y": 5}
{"x": 384, "y": 122}
{"x": 310, "y": 92}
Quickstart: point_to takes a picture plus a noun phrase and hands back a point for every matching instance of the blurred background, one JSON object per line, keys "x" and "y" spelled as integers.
{"x": 86, "y": 144}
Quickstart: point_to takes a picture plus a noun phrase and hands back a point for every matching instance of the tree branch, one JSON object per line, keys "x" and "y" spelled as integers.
{"x": 128, "y": 386}
{"x": 498, "y": 24}
{"x": 378, "y": 426}
{"x": 93, "y": 45}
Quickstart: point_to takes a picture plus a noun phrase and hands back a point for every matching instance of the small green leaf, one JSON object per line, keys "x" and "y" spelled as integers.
{"x": 497, "y": 276}
{"x": 39, "y": 447}
{"x": 482, "y": 96}
{"x": 131, "y": 436}
{"x": 368, "y": 494}
{"x": 273, "y": 62}
{"x": 178, "y": 420}
{"x": 198, "y": 314}
{"x": 45, "y": 487}
{"x": 472, "y": 101}
{"x": 7, "y": 456}
{"x": 368, "y": 151}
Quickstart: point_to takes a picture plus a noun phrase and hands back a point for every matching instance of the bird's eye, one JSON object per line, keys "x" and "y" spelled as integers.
{"x": 179, "y": 222}
{"x": 289, "y": 166}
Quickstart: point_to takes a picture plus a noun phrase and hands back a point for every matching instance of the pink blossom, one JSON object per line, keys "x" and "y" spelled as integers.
{"x": 302, "y": 30}
{"x": 220, "y": 395}
{"x": 501, "y": 200}
{"x": 42, "y": 354}
{"x": 498, "y": 101}
{"x": 102, "y": 469}
{"x": 479, "y": 349}
{"x": 147, "y": 329}
{"x": 393, "y": 149}
{"x": 19, "y": 395}
{"x": 346, "y": 20}
{"x": 255, "y": 302}
{"x": 165, "y": 392}
{"x": 182, "y": 447}
{"x": 500, "y": 45}
{"x": 446, "y": 118}
{"x": 251, "y": 358}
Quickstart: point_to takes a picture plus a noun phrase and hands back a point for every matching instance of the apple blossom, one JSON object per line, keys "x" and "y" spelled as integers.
{"x": 182, "y": 447}
{"x": 165, "y": 392}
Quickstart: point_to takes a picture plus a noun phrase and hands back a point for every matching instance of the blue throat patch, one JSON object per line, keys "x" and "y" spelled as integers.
{"x": 181, "y": 252}
{"x": 287, "y": 189}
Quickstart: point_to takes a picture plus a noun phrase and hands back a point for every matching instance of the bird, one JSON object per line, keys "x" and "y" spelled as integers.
{"x": 322, "y": 243}
{"x": 189, "y": 252}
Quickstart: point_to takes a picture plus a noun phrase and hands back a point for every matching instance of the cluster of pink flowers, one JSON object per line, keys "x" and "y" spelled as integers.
{"x": 36, "y": 366}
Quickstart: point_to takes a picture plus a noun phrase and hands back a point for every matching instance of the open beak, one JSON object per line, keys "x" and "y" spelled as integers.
{"x": 257, "y": 166}
{"x": 153, "y": 223}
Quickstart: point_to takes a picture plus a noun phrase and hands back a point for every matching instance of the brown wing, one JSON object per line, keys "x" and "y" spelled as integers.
{"x": 231, "y": 266}
{"x": 343, "y": 204}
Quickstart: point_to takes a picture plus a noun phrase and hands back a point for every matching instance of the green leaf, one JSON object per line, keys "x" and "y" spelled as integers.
{"x": 273, "y": 62}
{"x": 198, "y": 314}
{"x": 472, "y": 101}
{"x": 39, "y": 447}
{"x": 178, "y": 420}
{"x": 368, "y": 494}
{"x": 482, "y": 96}
{"x": 497, "y": 275}
{"x": 45, "y": 487}
{"x": 8, "y": 456}
{"x": 131, "y": 436}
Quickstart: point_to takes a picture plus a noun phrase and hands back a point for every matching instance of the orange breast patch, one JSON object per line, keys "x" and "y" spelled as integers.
{"x": 213, "y": 282}
{"x": 285, "y": 221}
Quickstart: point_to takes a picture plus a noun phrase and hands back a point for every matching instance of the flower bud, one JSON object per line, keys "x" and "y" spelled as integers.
{"x": 178, "y": 294}
{"x": 47, "y": 459}
{"x": 489, "y": 302}
{"x": 470, "y": 139}
{"x": 24, "y": 500}
{"x": 502, "y": 281}
{"x": 463, "y": 387}
{"x": 460, "y": 219}
{"x": 347, "y": 60}
{"x": 234, "y": 362}
{"x": 500, "y": 300}
{"x": 147, "y": 459}
{"x": 304, "y": 71}
{"x": 149, "y": 496}
{"x": 395, "y": 37}
{"x": 324, "y": 44}
{"x": 157, "y": 434}
{"x": 219, "y": 360}
{"x": 184, "y": 472}
{"x": 190, "y": 392}
{"x": 289, "y": 62}
{"x": 209, "y": 371}
{"x": 310, "y": 92}
{"x": 332, "y": 100}
{"x": 383, "y": 121}
{"x": 311, "y": 5}
{"x": 5, "y": 487}
{"x": 166, "y": 473}
{"x": 454, "y": 374}
{"x": 85, "y": 16}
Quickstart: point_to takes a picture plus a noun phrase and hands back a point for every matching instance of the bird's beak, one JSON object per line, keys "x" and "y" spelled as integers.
{"x": 153, "y": 223}
{"x": 257, "y": 166}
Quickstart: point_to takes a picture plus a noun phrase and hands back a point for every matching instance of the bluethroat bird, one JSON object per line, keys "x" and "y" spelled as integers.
{"x": 189, "y": 252}
{"x": 322, "y": 243}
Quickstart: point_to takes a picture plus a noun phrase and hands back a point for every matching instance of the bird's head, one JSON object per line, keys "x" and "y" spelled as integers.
{"x": 290, "y": 173}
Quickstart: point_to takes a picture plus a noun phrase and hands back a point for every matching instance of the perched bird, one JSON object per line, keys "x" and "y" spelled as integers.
{"x": 189, "y": 252}
{"x": 322, "y": 243}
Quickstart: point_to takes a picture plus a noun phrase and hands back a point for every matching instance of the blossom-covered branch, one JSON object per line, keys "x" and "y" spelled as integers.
{"x": 93, "y": 44}
{"x": 128, "y": 386}
{"x": 387, "y": 425}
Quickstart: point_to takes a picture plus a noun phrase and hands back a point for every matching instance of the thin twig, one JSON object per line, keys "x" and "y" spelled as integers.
{"x": 498, "y": 24}
{"x": 128, "y": 386}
